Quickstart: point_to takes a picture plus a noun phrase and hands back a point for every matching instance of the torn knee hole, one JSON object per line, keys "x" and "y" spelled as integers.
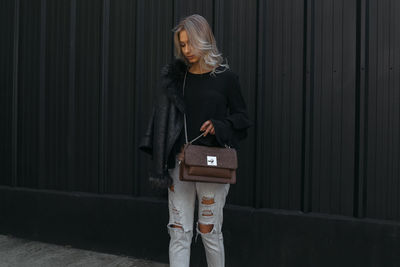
{"x": 176, "y": 225}
{"x": 172, "y": 188}
{"x": 207, "y": 213}
{"x": 207, "y": 200}
{"x": 205, "y": 228}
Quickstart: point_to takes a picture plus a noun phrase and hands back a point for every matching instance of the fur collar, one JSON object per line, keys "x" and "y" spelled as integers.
{"x": 172, "y": 78}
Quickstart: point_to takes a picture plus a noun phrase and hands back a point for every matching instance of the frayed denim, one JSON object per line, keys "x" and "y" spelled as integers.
{"x": 181, "y": 202}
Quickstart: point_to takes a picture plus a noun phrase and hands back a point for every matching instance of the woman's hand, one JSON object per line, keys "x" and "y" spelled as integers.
{"x": 207, "y": 127}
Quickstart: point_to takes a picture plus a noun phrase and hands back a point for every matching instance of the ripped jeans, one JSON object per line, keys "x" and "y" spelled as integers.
{"x": 181, "y": 201}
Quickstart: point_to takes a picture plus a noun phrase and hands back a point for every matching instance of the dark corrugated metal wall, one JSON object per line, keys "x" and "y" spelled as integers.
{"x": 321, "y": 80}
{"x": 6, "y": 89}
{"x": 279, "y": 103}
{"x": 381, "y": 109}
{"x": 331, "y": 119}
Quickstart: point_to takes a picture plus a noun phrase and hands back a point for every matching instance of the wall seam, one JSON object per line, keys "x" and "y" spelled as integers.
{"x": 14, "y": 180}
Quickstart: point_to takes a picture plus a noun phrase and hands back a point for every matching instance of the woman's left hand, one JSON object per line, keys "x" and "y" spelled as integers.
{"x": 207, "y": 127}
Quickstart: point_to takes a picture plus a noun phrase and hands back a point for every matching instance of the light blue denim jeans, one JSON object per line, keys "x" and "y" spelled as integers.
{"x": 181, "y": 201}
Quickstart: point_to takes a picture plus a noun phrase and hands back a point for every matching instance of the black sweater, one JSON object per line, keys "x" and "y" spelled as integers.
{"x": 217, "y": 98}
{"x": 224, "y": 106}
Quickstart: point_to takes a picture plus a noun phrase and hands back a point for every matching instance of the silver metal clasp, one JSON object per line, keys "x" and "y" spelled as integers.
{"x": 211, "y": 161}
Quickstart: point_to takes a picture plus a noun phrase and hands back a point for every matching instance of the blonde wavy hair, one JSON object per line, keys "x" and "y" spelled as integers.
{"x": 202, "y": 41}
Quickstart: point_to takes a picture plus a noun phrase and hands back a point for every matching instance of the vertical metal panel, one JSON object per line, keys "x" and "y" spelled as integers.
{"x": 72, "y": 95}
{"x": 395, "y": 108}
{"x": 383, "y": 187}
{"x": 57, "y": 86}
{"x": 42, "y": 98}
{"x": 87, "y": 101}
{"x": 14, "y": 139}
{"x": 361, "y": 111}
{"x": 183, "y": 8}
{"x": 6, "y": 88}
{"x": 120, "y": 99}
{"x": 393, "y": 152}
{"x": 263, "y": 80}
{"x": 153, "y": 50}
{"x": 334, "y": 112}
{"x": 346, "y": 140}
{"x": 103, "y": 107}
{"x": 28, "y": 93}
{"x": 370, "y": 206}
{"x": 233, "y": 37}
{"x": 279, "y": 117}
{"x": 308, "y": 107}
{"x": 295, "y": 92}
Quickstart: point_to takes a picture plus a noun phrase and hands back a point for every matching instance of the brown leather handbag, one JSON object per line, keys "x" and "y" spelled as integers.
{"x": 207, "y": 164}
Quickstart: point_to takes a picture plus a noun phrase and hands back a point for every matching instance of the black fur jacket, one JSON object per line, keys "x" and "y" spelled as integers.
{"x": 166, "y": 123}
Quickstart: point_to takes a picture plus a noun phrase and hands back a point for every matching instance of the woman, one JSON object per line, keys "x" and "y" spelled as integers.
{"x": 215, "y": 111}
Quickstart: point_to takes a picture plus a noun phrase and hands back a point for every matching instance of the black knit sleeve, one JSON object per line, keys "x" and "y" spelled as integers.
{"x": 233, "y": 128}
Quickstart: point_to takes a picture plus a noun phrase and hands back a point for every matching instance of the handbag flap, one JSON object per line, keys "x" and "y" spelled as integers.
{"x": 217, "y": 157}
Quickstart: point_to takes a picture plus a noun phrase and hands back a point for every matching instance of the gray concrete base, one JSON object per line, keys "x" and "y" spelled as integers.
{"x": 16, "y": 252}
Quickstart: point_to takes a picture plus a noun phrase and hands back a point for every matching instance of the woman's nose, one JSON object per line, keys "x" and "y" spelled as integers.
{"x": 186, "y": 49}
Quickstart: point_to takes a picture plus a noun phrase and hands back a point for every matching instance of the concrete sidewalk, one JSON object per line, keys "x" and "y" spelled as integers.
{"x": 16, "y": 252}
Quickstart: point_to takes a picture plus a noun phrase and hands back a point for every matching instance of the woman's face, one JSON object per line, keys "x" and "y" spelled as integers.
{"x": 186, "y": 48}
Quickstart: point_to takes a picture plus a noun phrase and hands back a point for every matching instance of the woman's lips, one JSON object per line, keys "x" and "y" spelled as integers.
{"x": 190, "y": 57}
